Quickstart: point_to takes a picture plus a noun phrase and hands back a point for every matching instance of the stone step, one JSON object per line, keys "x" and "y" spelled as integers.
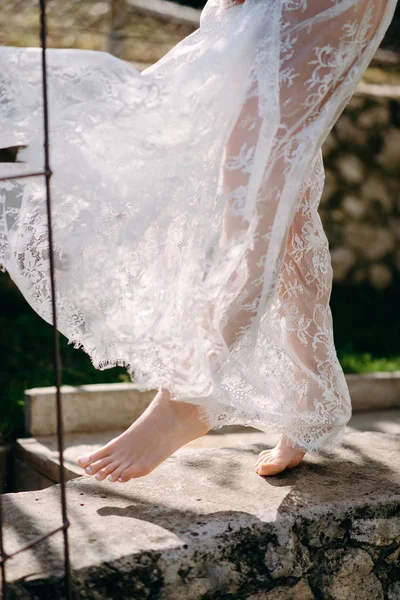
{"x": 36, "y": 460}
{"x": 203, "y": 525}
{"x": 37, "y": 464}
{"x": 102, "y": 407}
{"x": 86, "y": 408}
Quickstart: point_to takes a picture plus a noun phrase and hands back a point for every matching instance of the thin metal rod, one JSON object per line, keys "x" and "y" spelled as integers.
{"x": 57, "y": 358}
{"x": 37, "y": 174}
{"x": 4, "y": 557}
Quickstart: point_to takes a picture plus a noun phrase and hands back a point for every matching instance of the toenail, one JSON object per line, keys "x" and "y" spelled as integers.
{"x": 98, "y": 476}
{"x": 110, "y": 478}
{"x": 88, "y": 469}
{"x": 120, "y": 479}
{"x": 83, "y": 459}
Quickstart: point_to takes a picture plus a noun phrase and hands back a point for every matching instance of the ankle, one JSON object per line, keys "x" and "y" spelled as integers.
{"x": 186, "y": 410}
{"x": 163, "y": 394}
{"x": 181, "y": 409}
{"x": 284, "y": 444}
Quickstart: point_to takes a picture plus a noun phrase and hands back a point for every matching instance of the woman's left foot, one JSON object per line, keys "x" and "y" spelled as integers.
{"x": 283, "y": 456}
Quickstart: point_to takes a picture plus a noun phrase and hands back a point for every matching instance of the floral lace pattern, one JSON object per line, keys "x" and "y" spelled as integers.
{"x": 188, "y": 244}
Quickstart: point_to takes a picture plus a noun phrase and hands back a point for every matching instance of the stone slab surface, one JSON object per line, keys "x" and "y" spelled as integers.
{"x": 41, "y": 453}
{"x": 204, "y": 525}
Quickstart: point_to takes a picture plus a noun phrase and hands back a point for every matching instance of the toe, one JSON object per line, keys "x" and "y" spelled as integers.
{"x": 84, "y": 461}
{"x": 134, "y": 471}
{"x": 125, "y": 476}
{"x": 277, "y": 459}
{"x": 264, "y": 456}
{"x": 271, "y": 466}
{"x": 104, "y": 473}
{"x": 265, "y": 452}
{"x": 96, "y": 466}
{"x": 117, "y": 472}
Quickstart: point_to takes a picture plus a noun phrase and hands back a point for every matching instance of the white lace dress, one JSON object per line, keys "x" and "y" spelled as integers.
{"x": 188, "y": 245}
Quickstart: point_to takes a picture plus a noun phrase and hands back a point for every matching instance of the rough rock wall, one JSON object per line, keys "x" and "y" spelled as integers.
{"x": 360, "y": 207}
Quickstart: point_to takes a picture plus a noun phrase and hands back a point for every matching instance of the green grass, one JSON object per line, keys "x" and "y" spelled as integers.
{"x": 366, "y": 362}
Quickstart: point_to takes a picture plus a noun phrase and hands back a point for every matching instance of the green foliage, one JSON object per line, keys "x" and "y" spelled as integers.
{"x": 26, "y": 350}
{"x": 367, "y": 328}
{"x": 358, "y": 362}
{"x": 366, "y": 320}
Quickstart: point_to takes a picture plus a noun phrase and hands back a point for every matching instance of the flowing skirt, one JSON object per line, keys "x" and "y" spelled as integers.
{"x": 187, "y": 241}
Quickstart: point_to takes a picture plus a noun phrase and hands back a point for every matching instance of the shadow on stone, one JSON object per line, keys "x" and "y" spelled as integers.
{"x": 205, "y": 525}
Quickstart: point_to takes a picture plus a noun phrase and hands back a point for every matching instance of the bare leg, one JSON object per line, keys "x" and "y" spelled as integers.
{"x": 312, "y": 351}
{"x": 295, "y": 288}
{"x": 166, "y": 425}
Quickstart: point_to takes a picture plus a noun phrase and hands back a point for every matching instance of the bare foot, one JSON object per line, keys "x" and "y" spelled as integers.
{"x": 163, "y": 428}
{"x": 283, "y": 456}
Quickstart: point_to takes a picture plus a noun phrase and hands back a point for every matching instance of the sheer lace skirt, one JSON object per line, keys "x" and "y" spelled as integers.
{"x": 188, "y": 244}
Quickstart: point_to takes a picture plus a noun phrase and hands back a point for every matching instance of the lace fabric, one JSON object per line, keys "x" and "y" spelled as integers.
{"x": 188, "y": 244}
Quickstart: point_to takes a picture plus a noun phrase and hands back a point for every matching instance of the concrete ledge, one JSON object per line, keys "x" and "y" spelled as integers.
{"x": 381, "y": 90}
{"x": 96, "y": 408}
{"x": 374, "y": 391}
{"x": 86, "y": 408}
{"x": 386, "y": 57}
{"x": 27, "y": 478}
{"x": 167, "y": 11}
{"x": 204, "y": 526}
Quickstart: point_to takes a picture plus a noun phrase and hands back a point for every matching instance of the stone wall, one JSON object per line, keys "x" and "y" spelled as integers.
{"x": 360, "y": 207}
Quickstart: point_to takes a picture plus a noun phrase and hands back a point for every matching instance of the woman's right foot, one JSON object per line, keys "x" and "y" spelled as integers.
{"x": 283, "y": 456}
{"x": 163, "y": 428}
